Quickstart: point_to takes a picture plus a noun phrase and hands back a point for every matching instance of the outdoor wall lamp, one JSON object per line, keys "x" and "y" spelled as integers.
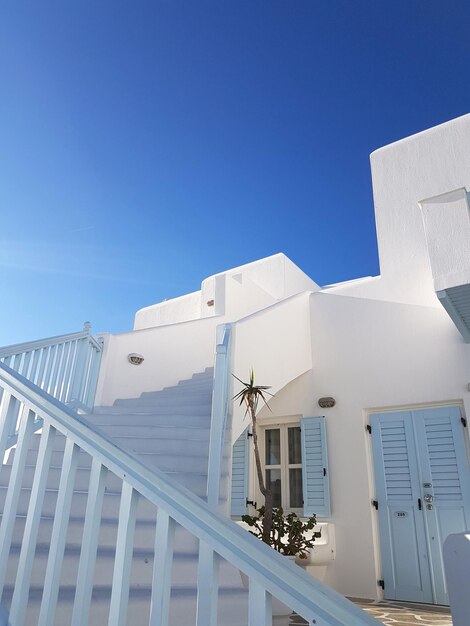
{"x": 327, "y": 402}
{"x": 135, "y": 359}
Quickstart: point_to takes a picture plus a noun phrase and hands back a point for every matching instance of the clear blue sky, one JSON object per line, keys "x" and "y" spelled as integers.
{"x": 147, "y": 145}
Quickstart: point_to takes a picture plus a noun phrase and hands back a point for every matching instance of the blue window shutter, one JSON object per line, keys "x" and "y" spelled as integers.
{"x": 240, "y": 462}
{"x": 315, "y": 476}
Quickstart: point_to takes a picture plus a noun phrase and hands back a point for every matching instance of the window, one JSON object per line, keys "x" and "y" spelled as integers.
{"x": 283, "y": 465}
{"x": 295, "y": 460}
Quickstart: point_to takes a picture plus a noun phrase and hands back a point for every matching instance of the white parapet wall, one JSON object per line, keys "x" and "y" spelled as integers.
{"x": 231, "y": 294}
{"x": 447, "y": 226}
{"x": 170, "y": 353}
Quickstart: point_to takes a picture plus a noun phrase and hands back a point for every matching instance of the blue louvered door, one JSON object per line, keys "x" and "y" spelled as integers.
{"x": 423, "y": 493}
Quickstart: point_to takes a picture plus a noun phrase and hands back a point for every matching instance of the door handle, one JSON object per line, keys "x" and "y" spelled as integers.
{"x": 420, "y": 506}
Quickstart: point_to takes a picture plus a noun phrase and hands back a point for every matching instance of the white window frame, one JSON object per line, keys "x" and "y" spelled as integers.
{"x": 283, "y": 425}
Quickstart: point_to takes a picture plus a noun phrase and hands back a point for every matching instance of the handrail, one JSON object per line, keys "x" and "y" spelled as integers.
{"x": 28, "y": 346}
{"x": 269, "y": 573}
{"x": 66, "y": 366}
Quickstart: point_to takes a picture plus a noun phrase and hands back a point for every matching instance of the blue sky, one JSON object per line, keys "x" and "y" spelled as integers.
{"x": 147, "y": 145}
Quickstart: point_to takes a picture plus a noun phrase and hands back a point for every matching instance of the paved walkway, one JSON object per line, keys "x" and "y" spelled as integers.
{"x": 405, "y": 614}
{"x": 398, "y": 614}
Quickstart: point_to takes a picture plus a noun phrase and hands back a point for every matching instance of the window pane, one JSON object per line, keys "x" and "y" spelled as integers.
{"x": 273, "y": 482}
{"x": 295, "y": 448}
{"x": 273, "y": 446}
{"x": 295, "y": 488}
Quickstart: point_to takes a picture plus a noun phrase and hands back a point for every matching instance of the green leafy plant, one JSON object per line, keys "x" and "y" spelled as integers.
{"x": 288, "y": 534}
{"x": 250, "y": 396}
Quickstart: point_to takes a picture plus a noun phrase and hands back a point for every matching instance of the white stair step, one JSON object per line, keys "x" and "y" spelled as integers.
{"x": 111, "y": 501}
{"x": 144, "y": 537}
{"x": 177, "y": 402}
{"x": 199, "y": 438}
{"x": 181, "y": 391}
{"x": 144, "y": 408}
{"x": 118, "y": 417}
{"x": 179, "y": 447}
{"x": 201, "y": 383}
{"x": 84, "y": 459}
{"x": 113, "y": 483}
{"x": 194, "y": 433}
{"x": 183, "y": 572}
{"x": 232, "y": 606}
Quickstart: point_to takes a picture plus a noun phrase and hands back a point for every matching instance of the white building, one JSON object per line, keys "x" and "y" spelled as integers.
{"x": 386, "y": 468}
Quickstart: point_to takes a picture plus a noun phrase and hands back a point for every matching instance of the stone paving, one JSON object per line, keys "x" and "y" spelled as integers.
{"x": 398, "y": 614}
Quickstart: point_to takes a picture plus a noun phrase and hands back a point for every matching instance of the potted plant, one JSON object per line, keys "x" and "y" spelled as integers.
{"x": 286, "y": 533}
{"x": 289, "y": 534}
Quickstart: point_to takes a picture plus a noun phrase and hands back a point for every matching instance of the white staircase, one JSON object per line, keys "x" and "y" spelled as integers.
{"x": 168, "y": 429}
{"x": 104, "y": 519}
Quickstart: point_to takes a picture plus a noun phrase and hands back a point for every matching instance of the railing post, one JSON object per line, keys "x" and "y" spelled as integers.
{"x": 218, "y": 416}
{"x": 163, "y": 560}
{"x": 14, "y": 489}
{"x": 84, "y": 586}
{"x": 59, "y": 533}
{"x": 207, "y": 585}
{"x": 79, "y": 373}
{"x": 123, "y": 558}
{"x": 259, "y": 605}
{"x": 8, "y": 411}
{"x": 28, "y": 544}
{"x": 89, "y": 399}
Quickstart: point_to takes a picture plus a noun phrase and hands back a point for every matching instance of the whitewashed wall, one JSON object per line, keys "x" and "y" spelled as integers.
{"x": 276, "y": 344}
{"x": 234, "y": 293}
{"x": 404, "y": 173}
{"x": 369, "y": 355}
{"x": 447, "y": 226}
{"x": 376, "y": 344}
{"x": 171, "y": 353}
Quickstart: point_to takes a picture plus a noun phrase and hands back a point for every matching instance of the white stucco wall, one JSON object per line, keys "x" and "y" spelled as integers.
{"x": 447, "y": 227}
{"x": 182, "y": 309}
{"x": 275, "y": 343}
{"x": 370, "y": 356}
{"x": 374, "y": 344}
{"x": 233, "y": 293}
{"x": 171, "y": 353}
{"x": 404, "y": 173}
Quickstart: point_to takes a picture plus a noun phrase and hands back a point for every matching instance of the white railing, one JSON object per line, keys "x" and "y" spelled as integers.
{"x": 270, "y": 574}
{"x": 219, "y": 414}
{"x": 66, "y": 367}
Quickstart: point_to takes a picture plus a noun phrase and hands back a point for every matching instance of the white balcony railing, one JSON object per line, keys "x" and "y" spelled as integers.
{"x": 66, "y": 366}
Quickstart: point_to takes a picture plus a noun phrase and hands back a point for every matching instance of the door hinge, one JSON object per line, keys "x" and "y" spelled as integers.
{"x": 375, "y": 504}
{"x": 252, "y": 502}
{"x": 381, "y": 583}
{"x": 464, "y": 422}
{"x": 369, "y": 429}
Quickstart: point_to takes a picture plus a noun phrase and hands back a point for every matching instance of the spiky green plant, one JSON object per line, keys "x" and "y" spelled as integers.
{"x": 250, "y": 395}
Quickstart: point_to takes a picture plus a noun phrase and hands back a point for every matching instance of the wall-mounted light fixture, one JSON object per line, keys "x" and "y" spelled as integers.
{"x": 326, "y": 403}
{"x": 135, "y": 359}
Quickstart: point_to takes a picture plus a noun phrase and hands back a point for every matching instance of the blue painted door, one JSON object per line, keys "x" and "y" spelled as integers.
{"x": 423, "y": 490}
